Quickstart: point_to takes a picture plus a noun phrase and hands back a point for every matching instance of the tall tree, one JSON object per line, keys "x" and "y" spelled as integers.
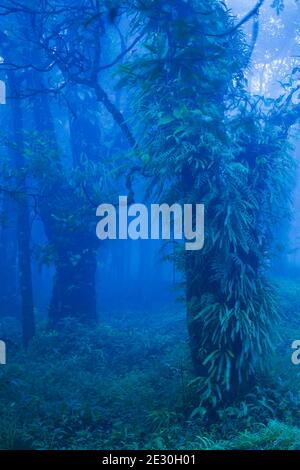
{"x": 208, "y": 141}
{"x": 23, "y": 214}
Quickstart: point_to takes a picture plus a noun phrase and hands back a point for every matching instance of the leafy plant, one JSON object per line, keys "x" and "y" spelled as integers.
{"x": 209, "y": 141}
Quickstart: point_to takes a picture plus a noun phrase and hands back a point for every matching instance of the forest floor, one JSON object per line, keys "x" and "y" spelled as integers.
{"x": 128, "y": 384}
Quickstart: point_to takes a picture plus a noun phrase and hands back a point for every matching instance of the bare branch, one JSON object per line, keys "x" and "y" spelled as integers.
{"x": 253, "y": 12}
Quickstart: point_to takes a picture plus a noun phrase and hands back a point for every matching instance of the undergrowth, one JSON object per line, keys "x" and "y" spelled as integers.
{"x": 132, "y": 387}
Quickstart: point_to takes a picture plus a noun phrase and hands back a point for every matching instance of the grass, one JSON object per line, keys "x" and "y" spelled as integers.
{"x": 128, "y": 385}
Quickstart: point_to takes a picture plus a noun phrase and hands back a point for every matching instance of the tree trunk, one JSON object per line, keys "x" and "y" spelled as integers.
{"x": 8, "y": 255}
{"x": 74, "y": 292}
{"x": 23, "y": 220}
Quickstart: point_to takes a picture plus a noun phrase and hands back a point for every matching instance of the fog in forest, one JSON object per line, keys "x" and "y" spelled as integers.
{"x": 111, "y": 343}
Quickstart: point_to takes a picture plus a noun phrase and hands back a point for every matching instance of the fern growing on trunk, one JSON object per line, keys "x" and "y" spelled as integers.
{"x": 203, "y": 139}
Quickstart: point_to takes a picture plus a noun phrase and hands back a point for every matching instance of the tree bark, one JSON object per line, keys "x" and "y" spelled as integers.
{"x": 23, "y": 220}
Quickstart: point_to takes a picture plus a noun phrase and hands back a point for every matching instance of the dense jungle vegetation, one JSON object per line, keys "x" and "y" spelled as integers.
{"x": 141, "y": 344}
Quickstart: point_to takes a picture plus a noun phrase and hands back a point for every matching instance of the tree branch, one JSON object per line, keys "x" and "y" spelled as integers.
{"x": 253, "y": 12}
